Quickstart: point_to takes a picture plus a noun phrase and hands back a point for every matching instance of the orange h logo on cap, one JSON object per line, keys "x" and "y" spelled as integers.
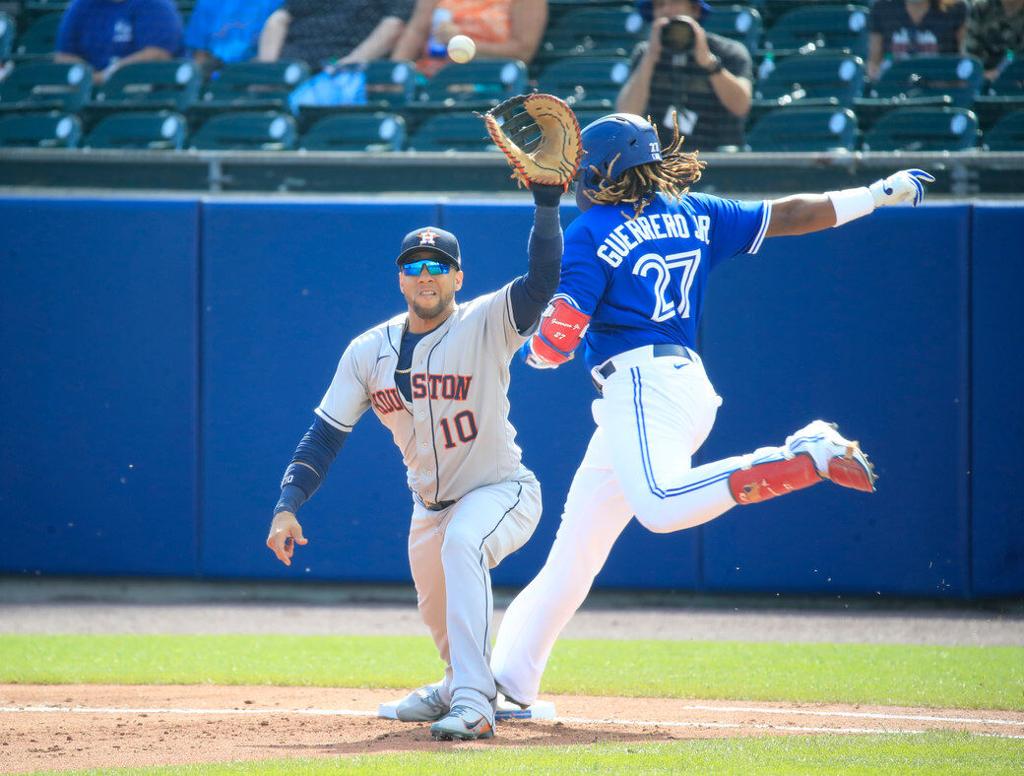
{"x": 427, "y": 237}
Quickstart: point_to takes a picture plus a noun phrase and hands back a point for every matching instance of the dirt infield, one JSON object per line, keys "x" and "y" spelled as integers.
{"x": 67, "y": 727}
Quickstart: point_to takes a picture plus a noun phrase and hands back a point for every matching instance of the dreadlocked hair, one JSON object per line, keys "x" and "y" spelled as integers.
{"x": 673, "y": 175}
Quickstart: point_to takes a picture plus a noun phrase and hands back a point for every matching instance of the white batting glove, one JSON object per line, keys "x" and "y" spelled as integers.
{"x": 902, "y": 186}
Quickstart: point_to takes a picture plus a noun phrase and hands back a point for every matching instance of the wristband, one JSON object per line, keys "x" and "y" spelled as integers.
{"x": 716, "y": 66}
{"x": 851, "y": 204}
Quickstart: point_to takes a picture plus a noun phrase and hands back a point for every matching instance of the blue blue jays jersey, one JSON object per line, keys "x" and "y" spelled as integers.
{"x": 642, "y": 280}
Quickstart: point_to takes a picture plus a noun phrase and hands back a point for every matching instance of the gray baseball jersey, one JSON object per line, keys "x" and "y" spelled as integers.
{"x": 455, "y": 434}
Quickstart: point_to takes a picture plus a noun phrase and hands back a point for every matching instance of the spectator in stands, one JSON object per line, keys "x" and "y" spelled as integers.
{"x": 705, "y": 78}
{"x": 501, "y": 29}
{"x": 333, "y": 31}
{"x": 108, "y": 34}
{"x": 908, "y": 28}
{"x": 995, "y": 32}
{"x": 224, "y": 31}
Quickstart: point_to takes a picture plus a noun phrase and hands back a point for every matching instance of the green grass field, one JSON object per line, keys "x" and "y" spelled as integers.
{"x": 926, "y": 754}
{"x": 962, "y": 677}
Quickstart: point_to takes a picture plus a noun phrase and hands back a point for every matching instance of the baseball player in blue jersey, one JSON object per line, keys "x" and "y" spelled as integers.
{"x": 634, "y": 271}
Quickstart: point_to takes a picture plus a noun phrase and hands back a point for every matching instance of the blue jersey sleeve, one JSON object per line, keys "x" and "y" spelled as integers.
{"x": 736, "y": 226}
{"x": 159, "y": 26}
{"x": 584, "y": 276}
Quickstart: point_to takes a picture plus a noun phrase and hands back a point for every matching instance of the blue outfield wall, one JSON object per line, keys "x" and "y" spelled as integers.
{"x": 162, "y": 359}
{"x": 997, "y": 418}
{"x": 98, "y": 417}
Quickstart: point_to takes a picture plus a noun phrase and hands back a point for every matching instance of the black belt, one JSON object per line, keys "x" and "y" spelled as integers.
{"x": 664, "y": 349}
{"x": 440, "y": 505}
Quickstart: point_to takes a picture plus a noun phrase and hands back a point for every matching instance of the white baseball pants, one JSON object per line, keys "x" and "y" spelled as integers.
{"x": 451, "y": 553}
{"x": 654, "y": 414}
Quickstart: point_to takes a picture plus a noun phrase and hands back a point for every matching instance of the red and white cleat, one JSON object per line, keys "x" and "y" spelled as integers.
{"x": 835, "y": 457}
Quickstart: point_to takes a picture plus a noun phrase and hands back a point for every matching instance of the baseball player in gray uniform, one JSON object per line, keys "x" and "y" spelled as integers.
{"x": 437, "y": 377}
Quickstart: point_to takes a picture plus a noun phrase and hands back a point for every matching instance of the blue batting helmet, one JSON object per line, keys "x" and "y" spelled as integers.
{"x": 633, "y": 139}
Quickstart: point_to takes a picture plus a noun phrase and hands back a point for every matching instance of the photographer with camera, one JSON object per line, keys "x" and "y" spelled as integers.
{"x": 705, "y": 78}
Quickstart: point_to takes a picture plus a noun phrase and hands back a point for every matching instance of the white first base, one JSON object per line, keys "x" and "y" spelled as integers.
{"x": 506, "y": 711}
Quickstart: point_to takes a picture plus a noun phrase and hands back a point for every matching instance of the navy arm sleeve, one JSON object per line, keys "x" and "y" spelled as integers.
{"x": 313, "y": 457}
{"x": 530, "y": 294}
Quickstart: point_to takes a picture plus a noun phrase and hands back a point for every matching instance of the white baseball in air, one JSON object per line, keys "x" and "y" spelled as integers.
{"x": 461, "y": 49}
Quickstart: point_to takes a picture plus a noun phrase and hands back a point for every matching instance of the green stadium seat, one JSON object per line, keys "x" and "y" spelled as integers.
{"x": 451, "y": 132}
{"x": 805, "y": 130}
{"x": 1007, "y": 96}
{"x": 814, "y": 76}
{"x": 39, "y": 40}
{"x": 254, "y": 85}
{"x": 6, "y": 35}
{"x": 838, "y": 27}
{"x": 593, "y": 31}
{"x": 741, "y": 23}
{"x": 1007, "y": 134}
{"x": 584, "y": 81}
{"x": 247, "y": 131}
{"x": 773, "y": 10}
{"x": 356, "y": 132}
{"x": 39, "y": 7}
{"x": 958, "y": 77}
{"x": 484, "y": 81}
{"x": 924, "y": 129}
{"x": 40, "y": 130}
{"x": 151, "y": 130}
{"x": 172, "y": 84}
{"x": 757, "y": 5}
{"x": 390, "y": 84}
{"x": 44, "y": 85}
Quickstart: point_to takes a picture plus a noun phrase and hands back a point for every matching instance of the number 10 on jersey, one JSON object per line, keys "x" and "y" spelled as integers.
{"x": 661, "y": 267}
{"x": 462, "y": 427}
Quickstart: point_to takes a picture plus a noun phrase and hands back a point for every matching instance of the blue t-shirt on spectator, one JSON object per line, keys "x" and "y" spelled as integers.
{"x": 228, "y": 29}
{"x": 104, "y": 31}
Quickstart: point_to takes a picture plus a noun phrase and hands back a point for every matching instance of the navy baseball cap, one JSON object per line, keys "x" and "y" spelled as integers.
{"x": 646, "y": 8}
{"x": 439, "y": 242}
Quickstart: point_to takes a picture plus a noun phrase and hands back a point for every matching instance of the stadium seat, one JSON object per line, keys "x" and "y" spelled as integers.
{"x": 482, "y": 81}
{"x": 585, "y": 81}
{"x": 839, "y": 27}
{"x": 741, "y": 23}
{"x": 593, "y": 31}
{"x": 923, "y": 129}
{"x": 151, "y": 130}
{"x": 40, "y": 130}
{"x": 356, "y": 132}
{"x": 41, "y": 85}
{"x": 451, "y": 132}
{"x": 6, "y": 35}
{"x": 38, "y": 7}
{"x": 246, "y": 131}
{"x": 952, "y": 75}
{"x": 804, "y": 130}
{"x": 39, "y": 40}
{"x": 390, "y": 84}
{"x": 173, "y": 84}
{"x": 814, "y": 77}
{"x": 254, "y": 85}
{"x": 1007, "y": 96}
{"x": 1007, "y": 134}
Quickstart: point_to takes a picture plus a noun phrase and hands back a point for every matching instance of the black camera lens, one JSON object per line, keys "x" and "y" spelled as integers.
{"x": 677, "y": 35}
